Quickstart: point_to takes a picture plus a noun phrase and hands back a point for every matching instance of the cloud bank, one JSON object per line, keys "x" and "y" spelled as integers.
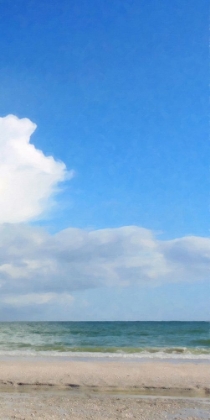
{"x": 28, "y": 178}
{"x": 36, "y": 266}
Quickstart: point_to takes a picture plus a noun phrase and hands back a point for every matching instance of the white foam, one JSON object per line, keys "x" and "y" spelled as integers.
{"x": 98, "y": 355}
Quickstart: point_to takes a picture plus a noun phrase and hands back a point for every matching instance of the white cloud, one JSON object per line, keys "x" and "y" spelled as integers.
{"x": 36, "y": 264}
{"x": 37, "y": 268}
{"x": 28, "y": 178}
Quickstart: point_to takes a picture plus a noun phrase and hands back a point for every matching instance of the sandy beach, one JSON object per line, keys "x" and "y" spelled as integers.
{"x": 62, "y": 389}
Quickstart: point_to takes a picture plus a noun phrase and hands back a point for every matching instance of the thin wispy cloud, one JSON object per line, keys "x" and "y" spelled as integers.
{"x": 31, "y": 299}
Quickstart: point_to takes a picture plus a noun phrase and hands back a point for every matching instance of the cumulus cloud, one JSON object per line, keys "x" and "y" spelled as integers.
{"x": 28, "y": 178}
{"x": 37, "y": 266}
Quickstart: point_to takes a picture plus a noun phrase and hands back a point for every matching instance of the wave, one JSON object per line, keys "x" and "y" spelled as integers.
{"x": 180, "y": 353}
{"x": 204, "y": 342}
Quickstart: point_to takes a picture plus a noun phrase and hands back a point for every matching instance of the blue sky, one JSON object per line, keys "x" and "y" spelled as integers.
{"x": 119, "y": 94}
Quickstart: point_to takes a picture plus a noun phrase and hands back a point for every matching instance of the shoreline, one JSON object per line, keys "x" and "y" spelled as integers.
{"x": 103, "y": 357}
{"x": 49, "y": 389}
{"x": 141, "y": 378}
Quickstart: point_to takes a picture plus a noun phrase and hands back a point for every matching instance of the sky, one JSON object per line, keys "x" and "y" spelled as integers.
{"x": 104, "y": 160}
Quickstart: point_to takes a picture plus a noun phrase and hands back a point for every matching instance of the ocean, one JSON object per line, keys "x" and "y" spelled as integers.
{"x": 124, "y": 340}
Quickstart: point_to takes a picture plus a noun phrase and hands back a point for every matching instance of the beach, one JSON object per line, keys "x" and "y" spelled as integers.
{"x": 47, "y": 388}
{"x": 105, "y": 370}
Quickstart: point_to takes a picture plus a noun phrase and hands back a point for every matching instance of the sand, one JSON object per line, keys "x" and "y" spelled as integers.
{"x": 81, "y": 390}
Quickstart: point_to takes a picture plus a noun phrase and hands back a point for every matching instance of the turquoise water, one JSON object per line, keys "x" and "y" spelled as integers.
{"x": 178, "y": 340}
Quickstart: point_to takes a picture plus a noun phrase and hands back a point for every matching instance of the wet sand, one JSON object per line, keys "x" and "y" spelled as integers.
{"x": 81, "y": 390}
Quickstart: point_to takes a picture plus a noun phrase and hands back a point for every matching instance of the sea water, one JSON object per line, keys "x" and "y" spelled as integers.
{"x": 130, "y": 340}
